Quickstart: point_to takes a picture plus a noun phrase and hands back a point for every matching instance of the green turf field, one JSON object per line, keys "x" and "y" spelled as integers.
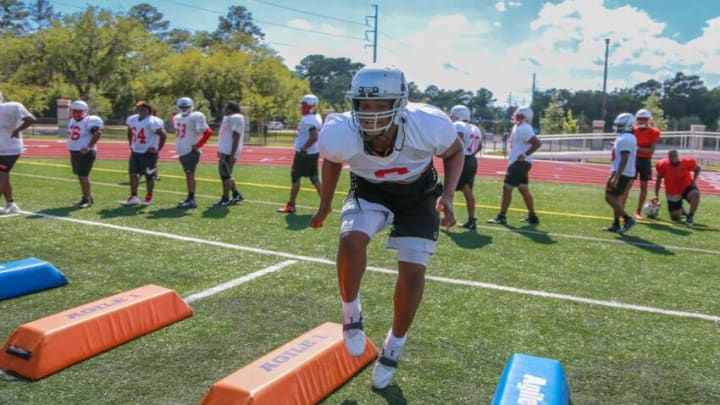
{"x": 634, "y": 319}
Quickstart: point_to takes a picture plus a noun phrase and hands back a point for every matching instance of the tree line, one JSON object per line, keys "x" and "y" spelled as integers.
{"x": 112, "y": 59}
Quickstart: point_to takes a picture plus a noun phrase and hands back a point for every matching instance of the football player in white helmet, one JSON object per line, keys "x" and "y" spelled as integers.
{"x": 647, "y": 138}
{"x": 523, "y": 143}
{"x": 307, "y": 152}
{"x": 460, "y": 115}
{"x": 389, "y": 145}
{"x": 191, "y": 133}
{"x": 146, "y": 138}
{"x": 84, "y": 131}
{"x": 622, "y": 173}
{"x": 14, "y": 118}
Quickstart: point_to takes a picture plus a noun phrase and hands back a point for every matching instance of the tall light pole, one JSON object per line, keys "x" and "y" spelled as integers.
{"x": 604, "y": 95}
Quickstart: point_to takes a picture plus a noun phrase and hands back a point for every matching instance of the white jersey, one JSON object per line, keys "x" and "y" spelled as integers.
{"x": 80, "y": 132}
{"x": 464, "y": 131}
{"x": 520, "y": 141}
{"x": 425, "y": 132}
{"x": 188, "y": 131}
{"x": 144, "y": 132}
{"x": 307, "y": 123}
{"x": 625, "y": 142}
{"x": 231, "y": 123}
{"x": 475, "y": 139}
{"x": 11, "y": 117}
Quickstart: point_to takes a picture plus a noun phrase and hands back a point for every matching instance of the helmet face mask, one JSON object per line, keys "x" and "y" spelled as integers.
{"x": 309, "y": 104}
{"x": 523, "y": 113}
{"x": 78, "y": 110}
{"x": 184, "y": 106}
{"x": 642, "y": 117}
{"x": 375, "y": 84}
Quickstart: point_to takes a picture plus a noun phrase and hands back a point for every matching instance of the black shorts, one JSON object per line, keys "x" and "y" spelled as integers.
{"x": 467, "y": 176}
{"x": 644, "y": 168}
{"x": 226, "y": 164}
{"x": 304, "y": 165}
{"x": 189, "y": 161}
{"x": 143, "y": 163}
{"x": 82, "y": 164}
{"x": 623, "y": 183}
{"x": 518, "y": 173}
{"x": 677, "y": 205}
{"x": 7, "y": 162}
{"x": 413, "y": 204}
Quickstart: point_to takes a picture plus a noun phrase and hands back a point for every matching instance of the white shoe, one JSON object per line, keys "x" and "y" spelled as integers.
{"x": 132, "y": 200}
{"x": 385, "y": 368}
{"x": 354, "y": 337}
{"x": 10, "y": 208}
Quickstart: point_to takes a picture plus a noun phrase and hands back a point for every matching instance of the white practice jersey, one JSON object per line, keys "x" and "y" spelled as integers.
{"x": 307, "y": 123}
{"x": 465, "y": 133}
{"x": 79, "y": 132}
{"x": 425, "y": 132}
{"x": 231, "y": 123}
{"x": 475, "y": 139}
{"x": 11, "y": 117}
{"x": 625, "y": 142}
{"x": 144, "y": 132}
{"x": 520, "y": 141}
{"x": 188, "y": 131}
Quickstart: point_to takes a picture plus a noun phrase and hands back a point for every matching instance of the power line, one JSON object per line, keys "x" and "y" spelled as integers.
{"x": 309, "y": 13}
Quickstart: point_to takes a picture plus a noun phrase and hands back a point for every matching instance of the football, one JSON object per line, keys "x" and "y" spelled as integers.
{"x": 651, "y": 210}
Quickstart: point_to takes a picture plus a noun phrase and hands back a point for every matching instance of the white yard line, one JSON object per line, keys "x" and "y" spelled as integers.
{"x": 236, "y": 282}
{"x": 490, "y": 286}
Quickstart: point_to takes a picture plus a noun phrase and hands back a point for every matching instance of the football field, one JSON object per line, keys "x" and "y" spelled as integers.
{"x": 634, "y": 319}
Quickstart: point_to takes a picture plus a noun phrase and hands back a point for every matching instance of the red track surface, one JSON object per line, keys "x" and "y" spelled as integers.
{"x": 488, "y": 167}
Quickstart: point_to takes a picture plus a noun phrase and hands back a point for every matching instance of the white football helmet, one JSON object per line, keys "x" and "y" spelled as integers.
{"x": 378, "y": 83}
{"x": 643, "y": 113}
{"x": 184, "y": 106}
{"x": 79, "y": 109}
{"x": 526, "y": 112}
{"x": 309, "y": 104}
{"x": 624, "y": 122}
{"x": 460, "y": 112}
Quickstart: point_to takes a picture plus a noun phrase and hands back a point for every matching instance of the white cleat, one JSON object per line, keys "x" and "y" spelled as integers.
{"x": 354, "y": 337}
{"x": 132, "y": 200}
{"x": 385, "y": 368}
{"x": 10, "y": 208}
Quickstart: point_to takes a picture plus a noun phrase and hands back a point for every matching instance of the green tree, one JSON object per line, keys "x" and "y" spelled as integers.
{"x": 570, "y": 125}
{"x": 41, "y": 13}
{"x": 553, "y": 118}
{"x": 236, "y": 30}
{"x": 652, "y": 104}
{"x": 150, "y": 18}
{"x": 12, "y": 16}
{"x": 329, "y": 77}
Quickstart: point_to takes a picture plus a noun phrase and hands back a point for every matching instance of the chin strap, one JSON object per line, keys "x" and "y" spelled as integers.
{"x": 368, "y": 140}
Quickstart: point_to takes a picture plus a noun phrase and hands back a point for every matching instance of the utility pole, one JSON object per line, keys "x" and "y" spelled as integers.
{"x": 532, "y": 96}
{"x": 604, "y": 96}
{"x": 374, "y": 31}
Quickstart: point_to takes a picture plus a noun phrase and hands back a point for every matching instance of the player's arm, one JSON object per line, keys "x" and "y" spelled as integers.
{"x": 696, "y": 173}
{"x": 163, "y": 137}
{"x": 535, "y": 144}
{"x": 311, "y": 139}
{"x": 26, "y": 122}
{"x": 96, "y": 133}
{"x": 235, "y": 144}
{"x": 453, "y": 161}
{"x": 129, "y": 136}
{"x": 624, "y": 157}
{"x": 330, "y": 175}
{"x": 658, "y": 183}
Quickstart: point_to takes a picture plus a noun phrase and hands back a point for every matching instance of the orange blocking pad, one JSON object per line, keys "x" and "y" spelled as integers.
{"x": 303, "y": 371}
{"x": 42, "y": 347}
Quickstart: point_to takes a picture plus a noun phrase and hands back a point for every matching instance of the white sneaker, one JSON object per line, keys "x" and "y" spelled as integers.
{"x": 132, "y": 200}
{"x": 385, "y": 368}
{"x": 11, "y": 208}
{"x": 354, "y": 337}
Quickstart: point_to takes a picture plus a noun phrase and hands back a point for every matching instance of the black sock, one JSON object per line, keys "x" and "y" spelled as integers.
{"x": 191, "y": 196}
{"x": 626, "y": 218}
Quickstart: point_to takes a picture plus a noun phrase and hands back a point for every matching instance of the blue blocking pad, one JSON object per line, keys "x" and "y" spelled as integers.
{"x": 28, "y": 275}
{"x": 530, "y": 380}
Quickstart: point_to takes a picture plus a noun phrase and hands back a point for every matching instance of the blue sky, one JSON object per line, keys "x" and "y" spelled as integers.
{"x": 496, "y": 44}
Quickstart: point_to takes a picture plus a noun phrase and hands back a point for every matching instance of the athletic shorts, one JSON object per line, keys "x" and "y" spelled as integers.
{"x": 467, "y": 176}
{"x": 226, "y": 164}
{"x": 644, "y": 169}
{"x": 7, "y": 162}
{"x": 304, "y": 165}
{"x": 82, "y": 163}
{"x": 143, "y": 163}
{"x": 518, "y": 173}
{"x": 189, "y": 161}
{"x": 676, "y": 203}
{"x": 619, "y": 190}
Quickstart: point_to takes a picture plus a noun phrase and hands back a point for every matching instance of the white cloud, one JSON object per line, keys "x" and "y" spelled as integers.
{"x": 300, "y": 23}
{"x": 500, "y": 6}
{"x": 514, "y": 4}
